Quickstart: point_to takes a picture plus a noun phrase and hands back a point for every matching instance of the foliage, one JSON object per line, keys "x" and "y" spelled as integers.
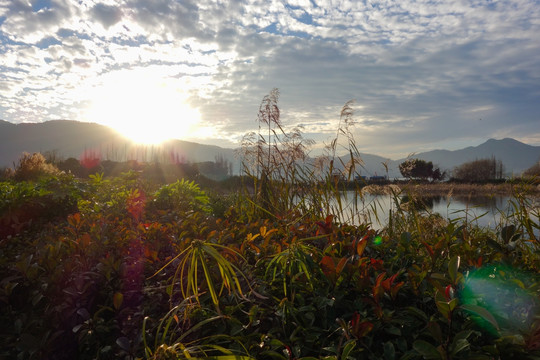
{"x": 420, "y": 169}
{"x": 480, "y": 170}
{"x": 120, "y": 277}
{"x": 113, "y": 267}
{"x": 181, "y": 195}
{"x": 533, "y": 171}
{"x": 32, "y": 167}
{"x": 25, "y": 204}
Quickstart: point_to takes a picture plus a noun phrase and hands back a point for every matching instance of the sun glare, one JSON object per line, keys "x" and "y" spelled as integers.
{"x": 142, "y": 108}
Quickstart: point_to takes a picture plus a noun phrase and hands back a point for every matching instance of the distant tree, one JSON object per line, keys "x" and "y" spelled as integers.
{"x": 52, "y": 157}
{"x": 480, "y": 170}
{"x": 217, "y": 170}
{"x": 533, "y": 171}
{"x": 438, "y": 175}
{"x": 73, "y": 166}
{"x": 420, "y": 169}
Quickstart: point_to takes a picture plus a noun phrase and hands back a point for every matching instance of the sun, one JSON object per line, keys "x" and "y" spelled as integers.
{"x": 143, "y": 107}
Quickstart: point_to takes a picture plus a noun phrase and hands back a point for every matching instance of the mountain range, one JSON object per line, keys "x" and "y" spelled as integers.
{"x": 515, "y": 156}
{"x": 66, "y": 138}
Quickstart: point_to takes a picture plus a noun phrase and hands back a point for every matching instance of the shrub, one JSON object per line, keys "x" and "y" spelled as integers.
{"x": 33, "y": 166}
{"x": 181, "y": 195}
{"x": 480, "y": 170}
{"x": 6, "y": 173}
{"x": 533, "y": 171}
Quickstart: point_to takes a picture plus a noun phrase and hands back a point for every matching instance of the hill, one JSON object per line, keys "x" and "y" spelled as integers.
{"x": 515, "y": 156}
{"x": 66, "y": 138}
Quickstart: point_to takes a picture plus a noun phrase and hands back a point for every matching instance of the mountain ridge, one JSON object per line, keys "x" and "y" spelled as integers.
{"x": 70, "y": 138}
{"x": 515, "y": 155}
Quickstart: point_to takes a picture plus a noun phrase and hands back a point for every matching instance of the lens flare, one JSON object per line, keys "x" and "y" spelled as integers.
{"x": 377, "y": 240}
{"x": 504, "y": 292}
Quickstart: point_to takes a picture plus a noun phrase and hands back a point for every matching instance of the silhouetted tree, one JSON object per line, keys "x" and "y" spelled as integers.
{"x": 480, "y": 170}
{"x": 420, "y": 169}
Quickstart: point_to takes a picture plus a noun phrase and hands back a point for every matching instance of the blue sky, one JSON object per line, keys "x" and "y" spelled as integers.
{"x": 425, "y": 74}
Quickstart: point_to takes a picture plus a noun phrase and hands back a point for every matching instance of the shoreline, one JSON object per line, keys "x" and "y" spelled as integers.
{"x": 449, "y": 189}
{"x": 505, "y": 189}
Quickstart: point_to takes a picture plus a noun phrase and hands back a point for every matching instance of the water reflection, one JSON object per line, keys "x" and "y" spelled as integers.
{"x": 484, "y": 211}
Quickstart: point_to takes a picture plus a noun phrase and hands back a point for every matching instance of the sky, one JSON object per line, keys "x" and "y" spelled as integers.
{"x": 423, "y": 75}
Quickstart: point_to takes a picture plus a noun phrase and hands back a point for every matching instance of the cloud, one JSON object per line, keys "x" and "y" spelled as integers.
{"x": 107, "y": 15}
{"x": 417, "y": 69}
{"x": 24, "y": 24}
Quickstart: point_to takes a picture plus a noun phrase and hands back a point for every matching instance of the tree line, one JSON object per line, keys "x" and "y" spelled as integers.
{"x": 489, "y": 169}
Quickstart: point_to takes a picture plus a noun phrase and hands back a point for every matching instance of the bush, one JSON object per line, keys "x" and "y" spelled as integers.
{"x": 533, "y": 171}
{"x": 23, "y": 203}
{"x": 6, "y": 173}
{"x": 480, "y": 170}
{"x": 181, "y": 195}
{"x": 33, "y": 166}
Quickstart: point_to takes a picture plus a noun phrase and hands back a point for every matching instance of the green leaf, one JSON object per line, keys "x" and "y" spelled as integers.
{"x": 507, "y": 233}
{"x": 494, "y": 245}
{"x": 459, "y": 345}
{"x": 392, "y": 330}
{"x": 118, "y": 299}
{"x": 272, "y": 354}
{"x": 463, "y": 334}
{"x": 406, "y": 237}
{"x": 124, "y": 343}
{"x": 453, "y": 266}
{"x": 452, "y": 304}
{"x": 435, "y": 331}
{"x": 225, "y": 357}
{"x": 444, "y": 308}
{"x": 418, "y": 313}
{"x": 427, "y": 350}
{"x": 389, "y": 351}
{"x": 483, "y": 313}
{"x": 347, "y": 349}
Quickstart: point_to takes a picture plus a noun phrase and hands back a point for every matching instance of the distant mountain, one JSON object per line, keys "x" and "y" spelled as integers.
{"x": 72, "y": 139}
{"x": 371, "y": 165}
{"x": 515, "y": 156}
{"x": 68, "y": 138}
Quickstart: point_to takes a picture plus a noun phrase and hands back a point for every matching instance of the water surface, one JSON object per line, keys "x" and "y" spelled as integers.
{"x": 484, "y": 211}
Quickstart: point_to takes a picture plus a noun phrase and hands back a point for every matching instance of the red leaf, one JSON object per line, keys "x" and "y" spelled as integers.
{"x": 429, "y": 249}
{"x": 361, "y": 246}
{"x": 341, "y": 265}
{"x": 328, "y": 265}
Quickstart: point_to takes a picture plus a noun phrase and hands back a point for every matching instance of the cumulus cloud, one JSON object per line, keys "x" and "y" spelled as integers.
{"x": 423, "y": 73}
{"x": 107, "y": 15}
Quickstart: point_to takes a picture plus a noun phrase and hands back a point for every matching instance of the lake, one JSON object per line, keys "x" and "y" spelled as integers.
{"x": 484, "y": 211}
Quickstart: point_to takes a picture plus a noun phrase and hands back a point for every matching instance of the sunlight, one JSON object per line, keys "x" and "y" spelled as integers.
{"x": 143, "y": 106}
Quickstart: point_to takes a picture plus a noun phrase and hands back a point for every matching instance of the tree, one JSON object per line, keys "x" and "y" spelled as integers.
{"x": 72, "y": 165}
{"x": 533, "y": 171}
{"x": 480, "y": 170}
{"x": 420, "y": 169}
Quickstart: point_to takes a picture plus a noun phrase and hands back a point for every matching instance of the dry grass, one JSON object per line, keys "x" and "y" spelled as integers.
{"x": 505, "y": 189}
